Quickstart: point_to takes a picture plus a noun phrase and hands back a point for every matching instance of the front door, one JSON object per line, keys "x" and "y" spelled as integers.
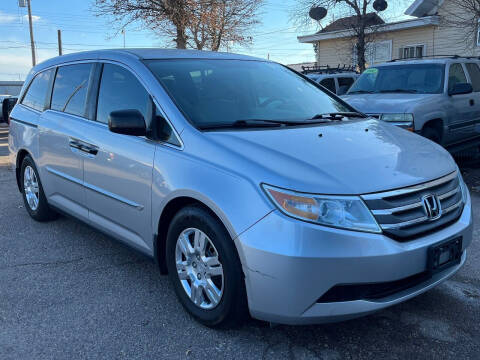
{"x": 461, "y": 113}
{"x": 473, "y": 70}
{"x": 118, "y": 178}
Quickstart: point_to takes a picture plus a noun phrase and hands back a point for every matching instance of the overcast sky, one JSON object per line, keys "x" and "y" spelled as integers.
{"x": 82, "y": 30}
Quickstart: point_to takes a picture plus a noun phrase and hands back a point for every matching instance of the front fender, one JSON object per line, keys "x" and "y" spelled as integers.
{"x": 235, "y": 200}
{"x": 425, "y": 116}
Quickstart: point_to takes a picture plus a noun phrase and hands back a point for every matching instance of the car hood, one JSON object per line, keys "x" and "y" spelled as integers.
{"x": 355, "y": 157}
{"x": 385, "y": 102}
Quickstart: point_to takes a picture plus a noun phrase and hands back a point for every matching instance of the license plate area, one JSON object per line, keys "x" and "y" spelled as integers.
{"x": 444, "y": 255}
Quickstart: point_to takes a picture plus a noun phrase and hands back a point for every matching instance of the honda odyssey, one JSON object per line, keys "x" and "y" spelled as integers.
{"x": 255, "y": 189}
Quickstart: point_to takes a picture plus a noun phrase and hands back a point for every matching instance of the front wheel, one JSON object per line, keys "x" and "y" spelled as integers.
{"x": 432, "y": 134}
{"x": 204, "y": 268}
{"x": 32, "y": 191}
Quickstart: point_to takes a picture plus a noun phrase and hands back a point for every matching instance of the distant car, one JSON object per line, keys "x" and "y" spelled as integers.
{"x": 437, "y": 98}
{"x": 3, "y": 98}
{"x": 7, "y": 107}
{"x": 338, "y": 83}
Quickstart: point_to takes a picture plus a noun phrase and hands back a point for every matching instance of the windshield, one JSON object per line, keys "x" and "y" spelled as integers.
{"x": 222, "y": 92}
{"x": 416, "y": 78}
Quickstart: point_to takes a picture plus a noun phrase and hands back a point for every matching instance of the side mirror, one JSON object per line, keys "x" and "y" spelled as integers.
{"x": 460, "y": 89}
{"x": 127, "y": 122}
{"x": 342, "y": 90}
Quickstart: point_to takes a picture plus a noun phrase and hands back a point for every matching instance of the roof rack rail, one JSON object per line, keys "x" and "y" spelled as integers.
{"x": 435, "y": 56}
{"x": 326, "y": 69}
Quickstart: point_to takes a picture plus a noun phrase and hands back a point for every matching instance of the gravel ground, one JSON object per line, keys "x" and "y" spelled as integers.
{"x": 68, "y": 292}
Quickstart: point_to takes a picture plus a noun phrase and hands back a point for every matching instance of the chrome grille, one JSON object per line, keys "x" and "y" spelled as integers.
{"x": 402, "y": 214}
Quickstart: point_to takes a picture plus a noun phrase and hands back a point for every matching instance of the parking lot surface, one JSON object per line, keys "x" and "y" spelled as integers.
{"x": 68, "y": 292}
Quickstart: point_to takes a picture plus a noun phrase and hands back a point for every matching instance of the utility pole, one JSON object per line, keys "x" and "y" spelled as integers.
{"x": 59, "y": 35}
{"x": 32, "y": 43}
{"x": 123, "y": 32}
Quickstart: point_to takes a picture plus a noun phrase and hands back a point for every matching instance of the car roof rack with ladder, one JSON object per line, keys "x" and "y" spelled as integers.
{"x": 326, "y": 69}
{"x": 426, "y": 57}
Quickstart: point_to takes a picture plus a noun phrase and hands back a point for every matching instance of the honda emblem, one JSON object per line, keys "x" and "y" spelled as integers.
{"x": 432, "y": 206}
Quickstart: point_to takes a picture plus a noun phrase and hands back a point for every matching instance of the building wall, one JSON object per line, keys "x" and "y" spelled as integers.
{"x": 335, "y": 52}
{"x": 339, "y": 51}
{"x": 438, "y": 40}
{"x": 413, "y": 37}
{"x": 451, "y": 40}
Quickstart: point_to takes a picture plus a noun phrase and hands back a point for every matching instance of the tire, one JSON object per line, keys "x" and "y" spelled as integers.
{"x": 231, "y": 307}
{"x": 432, "y": 134}
{"x": 38, "y": 209}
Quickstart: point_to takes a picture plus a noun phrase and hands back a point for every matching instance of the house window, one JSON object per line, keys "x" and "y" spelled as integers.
{"x": 478, "y": 33}
{"x": 375, "y": 52}
{"x": 412, "y": 52}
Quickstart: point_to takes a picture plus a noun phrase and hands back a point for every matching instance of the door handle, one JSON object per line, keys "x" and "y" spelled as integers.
{"x": 93, "y": 150}
{"x": 83, "y": 146}
{"x": 472, "y": 102}
{"x": 75, "y": 144}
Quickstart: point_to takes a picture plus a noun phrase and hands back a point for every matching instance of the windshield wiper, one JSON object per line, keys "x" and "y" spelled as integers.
{"x": 337, "y": 116}
{"x": 360, "y": 92}
{"x": 258, "y": 123}
{"x": 399, "y": 91}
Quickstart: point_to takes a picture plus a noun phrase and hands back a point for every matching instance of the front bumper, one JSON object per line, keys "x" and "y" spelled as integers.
{"x": 289, "y": 265}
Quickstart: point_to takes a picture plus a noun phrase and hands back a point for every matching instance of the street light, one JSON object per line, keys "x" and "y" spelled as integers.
{"x": 26, "y": 3}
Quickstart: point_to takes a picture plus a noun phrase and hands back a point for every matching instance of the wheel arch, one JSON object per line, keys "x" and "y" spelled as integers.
{"x": 171, "y": 207}
{"x": 21, "y": 154}
{"x": 437, "y": 124}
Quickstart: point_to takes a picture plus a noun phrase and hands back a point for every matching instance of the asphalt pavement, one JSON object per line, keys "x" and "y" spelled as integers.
{"x": 70, "y": 292}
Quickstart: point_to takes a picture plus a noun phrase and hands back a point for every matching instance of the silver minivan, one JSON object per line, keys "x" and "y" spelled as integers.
{"x": 251, "y": 186}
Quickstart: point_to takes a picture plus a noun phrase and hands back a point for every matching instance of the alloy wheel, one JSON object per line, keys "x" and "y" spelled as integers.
{"x": 30, "y": 187}
{"x": 199, "y": 269}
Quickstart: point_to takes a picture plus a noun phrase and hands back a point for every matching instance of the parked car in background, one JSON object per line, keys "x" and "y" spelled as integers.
{"x": 437, "y": 98}
{"x": 2, "y": 117}
{"x": 254, "y": 189}
{"x": 6, "y": 106}
{"x": 337, "y": 80}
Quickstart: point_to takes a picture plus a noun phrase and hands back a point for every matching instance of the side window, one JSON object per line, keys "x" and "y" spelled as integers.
{"x": 329, "y": 83}
{"x": 456, "y": 75}
{"x": 345, "y": 81}
{"x": 165, "y": 131}
{"x": 474, "y": 72}
{"x": 36, "y": 95}
{"x": 120, "y": 90}
{"x": 70, "y": 89}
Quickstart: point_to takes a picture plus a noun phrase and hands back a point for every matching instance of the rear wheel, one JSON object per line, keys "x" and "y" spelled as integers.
{"x": 32, "y": 191}
{"x": 204, "y": 268}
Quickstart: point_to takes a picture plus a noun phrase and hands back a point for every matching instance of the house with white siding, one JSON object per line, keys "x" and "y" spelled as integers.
{"x": 425, "y": 34}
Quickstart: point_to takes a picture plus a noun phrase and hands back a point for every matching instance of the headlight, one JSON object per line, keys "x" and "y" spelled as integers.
{"x": 397, "y": 117}
{"x": 346, "y": 212}
{"x": 463, "y": 187}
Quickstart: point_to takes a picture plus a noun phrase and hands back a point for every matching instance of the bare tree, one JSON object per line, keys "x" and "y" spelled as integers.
{"x": 361, "y": 22}
{"x": 196, "y": 24}
{"x": 463, "y": 15}
{"x": 217, "y": 23}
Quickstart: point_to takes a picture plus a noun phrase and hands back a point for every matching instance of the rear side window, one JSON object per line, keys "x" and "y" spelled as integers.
{"x": 70, "y": 89}
{"x": 329, "y": 84}
{"x": 36, "y": 95}
{"x": 120, "y": 90}
{"x": 345, "y": 81}
{"x": 474, "y": 72}
{"x": 456, "y": 76}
